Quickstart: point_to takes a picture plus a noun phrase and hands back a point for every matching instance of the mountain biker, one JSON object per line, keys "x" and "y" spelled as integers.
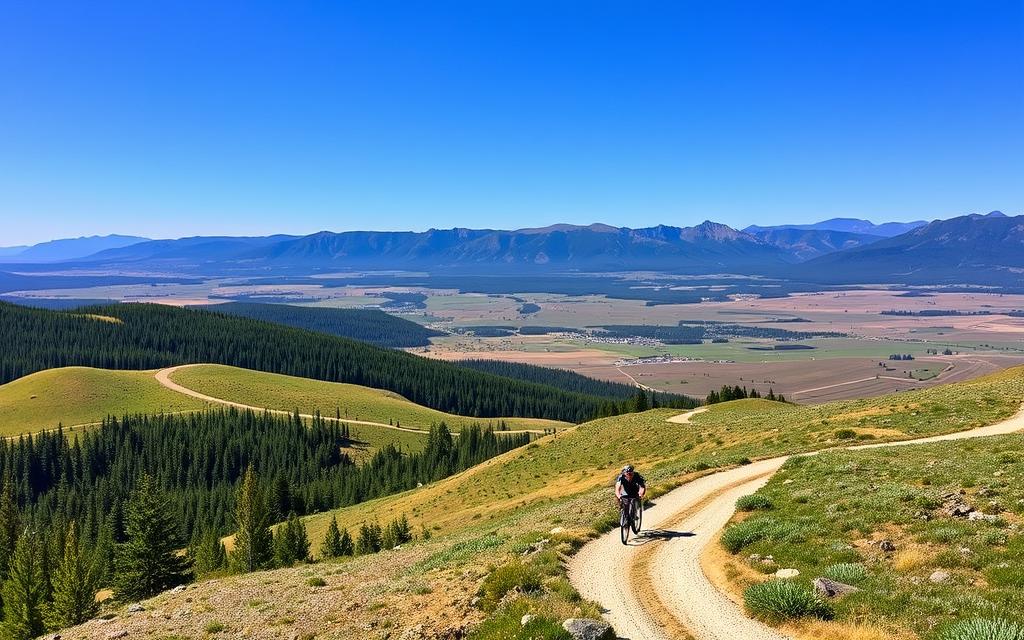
{"x": 629, "y": 483}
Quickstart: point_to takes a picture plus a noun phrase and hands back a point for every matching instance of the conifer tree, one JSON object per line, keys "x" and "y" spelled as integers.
{"x": 103, "y": 555}
{"x": 148, "y": 561}
{"x": 208, "y": 553}
{"x": 74, "y": 586}
{"x": 254, "y": 544}
{"x": 331, "y": 546}
{"x": 291, "y": 544}
{"x": 10, "y": 523}
{"x": 23, "y": 591}
{"x": 347, "y": 546}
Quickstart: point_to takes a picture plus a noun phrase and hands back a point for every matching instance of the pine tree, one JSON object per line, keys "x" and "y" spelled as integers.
{"x": 103, "y": 555}
{"x": 291, "y": 544}
{"x": 74, "y": 586}
{"x": 148, "y": 561}
{"x": 208, "y": 553}
{"x": 254, "y": 544}
{"x": 23, "y": 591}
{"x": 347, "y": 546}
{"x": 369, "y": 539}
{"x": 10, "y": 523}
{"x": 331, "y": 546}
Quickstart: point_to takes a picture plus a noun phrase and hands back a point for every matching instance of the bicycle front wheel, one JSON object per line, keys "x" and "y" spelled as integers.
{"x": 638, "y": 516}
{"x": 624, "y": 522}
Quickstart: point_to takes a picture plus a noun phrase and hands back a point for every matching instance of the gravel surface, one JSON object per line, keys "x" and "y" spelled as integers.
{"x": 692, "y": 517}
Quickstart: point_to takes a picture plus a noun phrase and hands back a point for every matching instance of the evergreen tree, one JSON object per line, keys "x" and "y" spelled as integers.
{"x": 331, "y": 546}
{"x": 23, "y": 591}
{"x": 208, "y": 553}
{"x": 103, "y": 555}
{"x": 74, "y": 586}
{"x": 291, "y": 544}
{"x": 640, "y": 401}
{"x": 254, "y": 544}
{"x": 369, "y": 539}
{"x": 10, "y": 523}
{"x": 347, "y": 547}
{"x": 148, "y": 561}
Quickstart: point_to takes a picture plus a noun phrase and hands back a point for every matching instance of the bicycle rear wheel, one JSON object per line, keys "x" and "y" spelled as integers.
{"x": 625, "y": 516}
{"x": 638, "y": 516}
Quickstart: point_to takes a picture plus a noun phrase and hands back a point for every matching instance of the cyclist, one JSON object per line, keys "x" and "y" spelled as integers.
{"x": 629, "y": 484}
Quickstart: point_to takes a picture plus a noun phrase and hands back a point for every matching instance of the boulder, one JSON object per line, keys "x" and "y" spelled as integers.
{"x": 588, "y": 629}
{"x": 832, "y": 589}
{"x": 887, "y": 546}
{"x": 135, "y": 607}
{"x": 787, "y": 573}
{"x": 526, "y": 619}
{"x": 939, "y": 576}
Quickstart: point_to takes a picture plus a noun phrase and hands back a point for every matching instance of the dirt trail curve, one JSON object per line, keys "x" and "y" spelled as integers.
{"x": 655, "y": 589}
{"x": 163, "y": 376}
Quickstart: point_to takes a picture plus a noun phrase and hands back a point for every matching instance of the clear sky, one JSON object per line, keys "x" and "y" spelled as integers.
{"x": 173, "y": 119}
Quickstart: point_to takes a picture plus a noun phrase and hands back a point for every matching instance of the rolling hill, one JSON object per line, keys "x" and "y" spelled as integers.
{"x": 82, "y": 395}
{"x": 805, "y": 244}
{"x": 68, "y": 248}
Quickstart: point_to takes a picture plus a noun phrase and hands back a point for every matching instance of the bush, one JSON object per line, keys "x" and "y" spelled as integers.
{"x": 755, "y": 530}
{"x": 983, "y": 629}
{"x": 213, "y": 627}
{"x": 506, "y": 626}
{"x": 506, "y": 578}
{"x": 846, "y": 572}
{"x": 779, "y": 600}
{"x": 316, "y": 581}
{"x": 754, "y": 502}
{"x": 846, "y": 434}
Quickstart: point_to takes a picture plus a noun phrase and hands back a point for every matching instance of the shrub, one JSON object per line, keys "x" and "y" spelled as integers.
{"x": 316, "y": 581}
{"x": 846, "y": 434}
{"x": 983, "y": 629}
{"x": 778, "y": 600}
{"x": 755, "y": 530}
{"x": 507, "y": 625}
{"x": 506, "y": 578}
{"x": 214, "y": 626}
{"x": 754, "y": 502}
{"x": 846, "y": 572}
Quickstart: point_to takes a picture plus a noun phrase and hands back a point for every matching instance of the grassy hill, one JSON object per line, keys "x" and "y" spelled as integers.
{"x": 275, "y": 391}
{"x": 80, "y": 395}
{"x": 508, "y": 523}
{"x": 829, "y": 513}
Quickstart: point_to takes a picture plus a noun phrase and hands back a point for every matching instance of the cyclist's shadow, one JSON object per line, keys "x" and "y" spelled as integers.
{"x": 647, "y": 536}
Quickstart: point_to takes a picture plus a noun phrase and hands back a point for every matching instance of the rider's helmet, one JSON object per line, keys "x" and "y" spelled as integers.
{"x": 627, "y": 469}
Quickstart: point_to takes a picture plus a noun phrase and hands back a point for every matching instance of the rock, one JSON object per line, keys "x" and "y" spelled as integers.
{"x": 588, "y": 629}
{"x": 556, "y": 531}
{"x": 117, "y": 634}
{"x": 966, "y": 551}
{"x": 178, "y": 589}
{"x": 413, "y": 633}
{"x": 939, "y": 576}
{"x": 754, "y": 557}
{"x": 832, "y": 589}
{"x": 526, "y": 619}
{"x": 55, "y": 636}
{"x": 135, "y": 607}
{"x": 887, "y": 546}
{"x": 787, "y": 573}
{"x": 475, "y": 601}
{"x": 974, "y": 516}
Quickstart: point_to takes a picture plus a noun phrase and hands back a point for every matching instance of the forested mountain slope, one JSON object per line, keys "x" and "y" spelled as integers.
{"x": 139, "y": 336}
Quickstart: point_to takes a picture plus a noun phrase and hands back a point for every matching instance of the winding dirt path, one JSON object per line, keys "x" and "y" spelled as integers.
{"x": 163, "y": 376}
{"x": 655, "y": 589}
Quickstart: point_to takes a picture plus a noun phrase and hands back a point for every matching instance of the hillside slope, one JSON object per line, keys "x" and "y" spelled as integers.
{"x": 82, "y": 395}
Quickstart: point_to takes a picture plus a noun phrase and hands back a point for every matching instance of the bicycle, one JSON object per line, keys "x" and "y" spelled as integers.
{"x": 631, "y": 517}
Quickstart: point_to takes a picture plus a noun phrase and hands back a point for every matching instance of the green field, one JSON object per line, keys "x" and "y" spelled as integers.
{"x": 740, "y": 351}
{"x": 353, "y": 402}
{"x": 826, "y": 511}
{"x": 82, "y": 395}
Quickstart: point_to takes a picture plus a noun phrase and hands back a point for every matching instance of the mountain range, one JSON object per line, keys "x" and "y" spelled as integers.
{"x": 66, "y": 248}
{"x": 972, "y": 249}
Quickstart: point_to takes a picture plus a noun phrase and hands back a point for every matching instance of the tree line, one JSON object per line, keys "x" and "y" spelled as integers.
{"x": 147, "y": 336}
{"x": 736, "y": 392}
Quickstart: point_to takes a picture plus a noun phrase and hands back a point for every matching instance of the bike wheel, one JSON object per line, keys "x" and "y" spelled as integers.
{"x": 624, "y": 518}
{"x": 638, "y": 516}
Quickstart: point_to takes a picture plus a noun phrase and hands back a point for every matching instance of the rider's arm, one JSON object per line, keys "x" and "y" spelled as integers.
{"x": 618, "y": 488}
{"x": 643, "y": 487}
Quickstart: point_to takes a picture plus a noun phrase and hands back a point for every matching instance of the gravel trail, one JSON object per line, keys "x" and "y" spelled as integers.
{"x": 654, "y": 588}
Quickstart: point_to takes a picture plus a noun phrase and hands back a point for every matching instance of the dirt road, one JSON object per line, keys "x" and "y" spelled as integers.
{"x": 655, "y": 589}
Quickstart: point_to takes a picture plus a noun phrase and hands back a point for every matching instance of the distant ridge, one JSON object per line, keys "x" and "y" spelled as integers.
{"x": 848, "y": 225}
{"x": 67, "y": 248}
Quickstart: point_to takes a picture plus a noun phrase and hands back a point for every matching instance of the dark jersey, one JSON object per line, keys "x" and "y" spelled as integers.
{"x": 631, "y": 487}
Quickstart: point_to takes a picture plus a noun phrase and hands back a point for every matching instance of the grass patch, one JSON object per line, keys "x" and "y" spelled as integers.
{"x": 754, "y": 502}
{"x": 780, "y": 600}
{"x": 983, "y": 629}
{"x": 514, "y": 576}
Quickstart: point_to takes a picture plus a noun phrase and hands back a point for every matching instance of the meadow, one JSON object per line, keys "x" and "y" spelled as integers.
{"x": 83, "y": 395}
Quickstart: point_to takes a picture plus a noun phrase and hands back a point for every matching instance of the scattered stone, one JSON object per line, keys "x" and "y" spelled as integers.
{"x": 178, "y": 589}
{"x": 985, "y": 492}
{"x": 117, "y": 634}
{"x": 790, "y": 481}
{"x": 557, "y": 530}
{"x": 832, "y": 589}
{"x": 526, "y": 619}
{"x": 475, "y": 601}
{"x": 135, "y": 607}
{"x": 413, "y": 633}
{"x": 588, "y": 629}
{"x": 939, "y": 576}
{"x": 887, "y": 546}
{"x": 986, "y": 517}
{"x": 787, "y": 573}
{"x": 966, "y": 551}
{"x": 55, "y": 636}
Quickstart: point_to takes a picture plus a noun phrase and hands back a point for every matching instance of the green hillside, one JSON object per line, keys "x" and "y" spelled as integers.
{"x": 275, "y": 391}
{"x": 944, "y": 567}
{"x": 147, "y": 336}
{"x": 80, "y": 395}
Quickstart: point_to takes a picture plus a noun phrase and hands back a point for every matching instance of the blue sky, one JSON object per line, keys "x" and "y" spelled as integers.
{"x": 172, "y": 119}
